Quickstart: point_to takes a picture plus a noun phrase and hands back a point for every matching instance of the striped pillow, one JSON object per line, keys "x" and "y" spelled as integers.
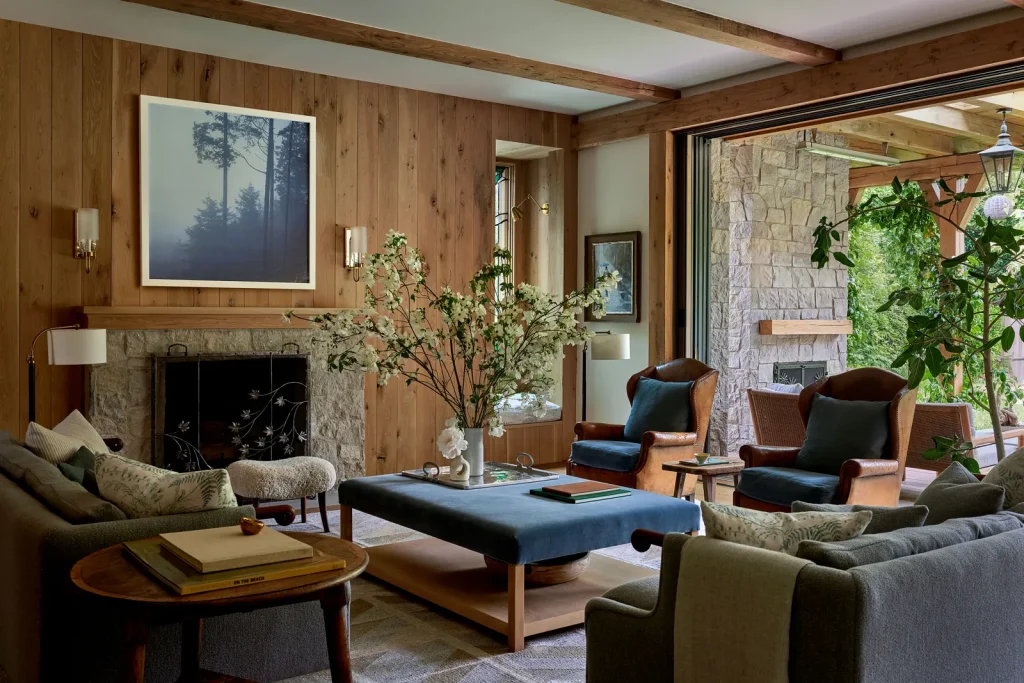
{"x": 60, "y": 444}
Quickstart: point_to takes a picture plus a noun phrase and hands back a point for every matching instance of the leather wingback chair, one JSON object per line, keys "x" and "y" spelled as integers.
{"x": 860, "y": 481}
{"x": 641, "y": 463}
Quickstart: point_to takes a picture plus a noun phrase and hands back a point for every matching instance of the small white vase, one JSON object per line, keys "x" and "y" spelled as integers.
{"x": 475, "y": 453}
{"x": 459, "y": 469}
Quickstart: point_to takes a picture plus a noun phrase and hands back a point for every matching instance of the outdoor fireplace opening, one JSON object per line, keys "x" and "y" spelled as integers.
{"x": 212, "y": 409}
{"x": 800, "y": 373}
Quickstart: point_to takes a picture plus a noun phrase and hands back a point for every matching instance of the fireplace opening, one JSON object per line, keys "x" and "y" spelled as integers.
{"x": 212, "y": 409}
{"x": 800, "y": 373}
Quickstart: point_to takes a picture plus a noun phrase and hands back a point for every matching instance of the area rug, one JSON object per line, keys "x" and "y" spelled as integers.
{"x": 398, "y": 638}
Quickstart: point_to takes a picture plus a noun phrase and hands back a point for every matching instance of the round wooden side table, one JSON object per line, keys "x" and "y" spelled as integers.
{"x": 113, "y": 577}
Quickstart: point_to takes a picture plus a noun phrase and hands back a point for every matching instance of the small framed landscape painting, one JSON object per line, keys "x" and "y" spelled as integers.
{"x": 619, "y": 251}
{"x": 227, "y": 197}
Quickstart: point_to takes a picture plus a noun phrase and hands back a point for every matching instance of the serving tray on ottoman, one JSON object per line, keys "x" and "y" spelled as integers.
{"x": 510, "y": 525}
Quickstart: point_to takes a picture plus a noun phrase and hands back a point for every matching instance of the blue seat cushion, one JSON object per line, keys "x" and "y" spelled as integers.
{"x": 658, "y": 407}
{"x": 614, "y": 456}
{"x": 783, "y": 486}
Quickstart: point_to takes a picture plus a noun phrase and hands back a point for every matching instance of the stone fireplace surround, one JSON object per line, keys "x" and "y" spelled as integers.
{"x": 120, "y": 391}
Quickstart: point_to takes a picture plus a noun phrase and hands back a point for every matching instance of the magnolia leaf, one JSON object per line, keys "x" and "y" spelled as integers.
{"x": 1008, "y": 337}
{"x": 971, "y": 464}
{"x": 843, "y": 258}
{"x": 916, "y": 373}
{"x": 896, "y": 186}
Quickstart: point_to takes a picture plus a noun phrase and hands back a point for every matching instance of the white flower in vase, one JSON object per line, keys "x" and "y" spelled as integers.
{"x": 496, "y": 427}
{"x": 451, "y": 441}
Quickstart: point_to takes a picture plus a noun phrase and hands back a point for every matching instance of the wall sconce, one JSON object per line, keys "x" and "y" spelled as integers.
{"x": 517, "y": 210}
{"x": 355, "y": 249}
{"x": 87, "y": 235}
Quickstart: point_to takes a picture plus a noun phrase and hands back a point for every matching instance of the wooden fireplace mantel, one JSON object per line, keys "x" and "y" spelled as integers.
{"x": 791, "y": 327}
{"x": 192, "y": 317}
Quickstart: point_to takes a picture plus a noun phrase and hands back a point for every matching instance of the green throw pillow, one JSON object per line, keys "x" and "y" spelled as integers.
{"x": 781, "y": 531}
{"x": 658, "y": 407}
{"x": 838, "y": 431}
{"x": 958, "y": 493}
{"x": 883, "y": 519}
{"x": 81, "y": 469}
{"x": 1009, "y": 474}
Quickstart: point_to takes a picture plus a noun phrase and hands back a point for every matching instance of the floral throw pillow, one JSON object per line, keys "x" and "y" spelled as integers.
{"x": 780, "y": 531}
{"x": 146, "y": 491}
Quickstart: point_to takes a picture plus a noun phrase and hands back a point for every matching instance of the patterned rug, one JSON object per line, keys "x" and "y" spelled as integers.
{"x": 398, "y": 638}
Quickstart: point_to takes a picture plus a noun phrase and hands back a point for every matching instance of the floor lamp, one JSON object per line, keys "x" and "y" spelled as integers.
{"x": 67, "y": 345}
{"x": 604, "y": 346}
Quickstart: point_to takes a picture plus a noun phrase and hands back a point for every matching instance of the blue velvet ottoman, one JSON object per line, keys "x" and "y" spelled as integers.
{"x": 510, "y": 525}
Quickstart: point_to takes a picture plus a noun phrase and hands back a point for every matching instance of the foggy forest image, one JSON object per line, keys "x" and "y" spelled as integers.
{"x": 229, "y": 196}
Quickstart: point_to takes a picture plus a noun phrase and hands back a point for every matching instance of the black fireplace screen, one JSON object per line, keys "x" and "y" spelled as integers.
{"x": 800, "y": 373}
{"x": 210, "y": 410}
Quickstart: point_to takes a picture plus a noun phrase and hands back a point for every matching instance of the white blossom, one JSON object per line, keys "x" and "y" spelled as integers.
{"x": 451, "y": 441}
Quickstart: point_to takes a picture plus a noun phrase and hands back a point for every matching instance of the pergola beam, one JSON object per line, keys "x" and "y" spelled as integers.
{"x": 894, "y": 133}
{"x": 341, "y": 32}
{"x": 924, "y": 170}
{"x": 690, "y": 22}
{"x": 954, "y": 122}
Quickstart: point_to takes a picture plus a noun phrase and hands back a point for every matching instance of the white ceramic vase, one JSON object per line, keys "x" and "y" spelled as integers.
{"x": 459, "y": 469}
{"x": 475, "y": 453}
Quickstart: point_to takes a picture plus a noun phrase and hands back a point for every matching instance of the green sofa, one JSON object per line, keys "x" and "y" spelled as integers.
{"x": 947, "y": 611}
{"x": 50, "y": 632}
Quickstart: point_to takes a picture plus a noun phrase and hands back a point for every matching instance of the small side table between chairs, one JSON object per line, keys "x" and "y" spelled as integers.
{"x": 112, "y": 577}
{"x": 686, "y": 477}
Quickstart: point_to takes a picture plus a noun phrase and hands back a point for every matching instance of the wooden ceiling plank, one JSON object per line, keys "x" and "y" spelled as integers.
{"x": 924, "y": 170}
{"x": 690, "y": 22}
{"x": 955, "y": 122}
{"x": 919, "y": 62}
{"x": 358, "y": 35}
{"x": 895, "y": 133}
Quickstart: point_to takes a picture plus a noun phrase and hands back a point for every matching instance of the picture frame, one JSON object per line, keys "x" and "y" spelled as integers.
{"x": 619, "y": 251}
{"x": 205, "y": 171}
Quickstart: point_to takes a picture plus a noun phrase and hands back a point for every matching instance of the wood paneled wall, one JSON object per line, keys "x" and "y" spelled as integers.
{"x": 387, "y": 158}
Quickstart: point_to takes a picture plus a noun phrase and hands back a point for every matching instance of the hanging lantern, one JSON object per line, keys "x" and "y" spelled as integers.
{"x": 1002, "y": 162}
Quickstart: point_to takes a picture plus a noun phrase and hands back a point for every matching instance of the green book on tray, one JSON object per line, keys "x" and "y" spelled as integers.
{"x": 581, "y": 492}
{"x": 176, "y": 574}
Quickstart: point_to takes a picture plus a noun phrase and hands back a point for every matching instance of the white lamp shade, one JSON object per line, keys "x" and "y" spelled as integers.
{"x": 77, "y": 347}
{"x": 609, "y": 347}
{"x": 359, "y": 240}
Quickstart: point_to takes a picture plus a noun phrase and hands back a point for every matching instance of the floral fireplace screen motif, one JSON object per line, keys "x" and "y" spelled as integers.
{"x": 210, "y": 410}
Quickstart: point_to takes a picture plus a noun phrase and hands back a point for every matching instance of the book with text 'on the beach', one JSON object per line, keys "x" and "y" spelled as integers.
{"x": 223, "y": 548}
{"x": 169, "y": 569}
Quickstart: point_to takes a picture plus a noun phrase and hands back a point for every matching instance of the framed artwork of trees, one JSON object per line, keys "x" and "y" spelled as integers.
{"x": 228, "y": 196}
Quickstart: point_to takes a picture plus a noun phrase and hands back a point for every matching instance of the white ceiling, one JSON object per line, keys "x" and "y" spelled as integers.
{"x": 544, "y": 30}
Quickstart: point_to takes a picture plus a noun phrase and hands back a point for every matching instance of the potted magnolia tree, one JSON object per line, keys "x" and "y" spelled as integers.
{"x": 471, "y": 349}
{"x": 966, "y": 310}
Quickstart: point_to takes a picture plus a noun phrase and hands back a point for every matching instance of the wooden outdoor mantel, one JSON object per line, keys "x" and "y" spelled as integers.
{"x": 791, "y": 327}
{"x": 191, "y": 317}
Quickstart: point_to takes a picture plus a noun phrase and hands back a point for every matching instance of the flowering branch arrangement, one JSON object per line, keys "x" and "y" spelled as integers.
{"x": 471, "y": 349}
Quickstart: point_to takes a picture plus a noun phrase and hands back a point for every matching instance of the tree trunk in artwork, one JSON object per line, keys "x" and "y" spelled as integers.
{"x": 225, "y": 155}
{"x": 268, "y": 196}
{"x": 287, "y": 193}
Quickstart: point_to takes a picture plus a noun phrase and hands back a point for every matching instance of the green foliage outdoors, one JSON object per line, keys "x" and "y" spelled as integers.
{"x": 925, "y": 314}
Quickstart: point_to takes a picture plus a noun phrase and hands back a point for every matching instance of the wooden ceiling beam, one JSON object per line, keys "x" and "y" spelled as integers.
{"x": 1018, "y": 3}
{"x": 690, "y": 22}
{"x": 955, "y": 122}
{"x": 923, "y": 170}
{"x": 358, "y": 35}
{"x": 895, "y": 133}
{"x": 930, "y": 59}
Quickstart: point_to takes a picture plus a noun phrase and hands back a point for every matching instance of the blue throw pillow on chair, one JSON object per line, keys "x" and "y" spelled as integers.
{"x": 838, "y": 431}
{"x": 658, "y": 407}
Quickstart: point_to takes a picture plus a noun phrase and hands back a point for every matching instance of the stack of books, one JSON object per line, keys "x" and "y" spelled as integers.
{"x": 581, "y": 492}
{"x": 190, "y": 562}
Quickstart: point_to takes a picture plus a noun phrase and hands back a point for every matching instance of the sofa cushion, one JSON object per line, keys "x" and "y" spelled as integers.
{"x": 614, "y": 456}
{"x": 63, "y": 441}
{"x": 69, "y": 500}
{"x": 1009, "y": 474}
{"x": 958, "y": 493}
{"x": 838, "y": 431}
{"x": 780, "y": 531}
{"x": 883, "y": 519}
{"x": 15, "y": 459}
{"x": 642, "y": 593}
{"x": 658, "y": 407}
{"x": 906, "y": 542}
{"x": 783, "y": 485}
{"x": 146, "y": 491}
{"x": 81, "y": 469}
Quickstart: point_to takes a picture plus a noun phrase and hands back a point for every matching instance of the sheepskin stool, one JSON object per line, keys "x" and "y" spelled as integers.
{"x": 285, "y": 479}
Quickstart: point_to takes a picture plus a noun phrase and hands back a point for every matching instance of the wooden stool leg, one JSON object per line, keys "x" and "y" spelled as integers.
{"x": 335, "y": 607}
{"x": 321, "y": 500}
{"x": 709, "y": 487}
{"x": 516, "y": 607}
{"x": 191, "y": 648}
{"x": 136, "y": 634}
{"x": 680, "y": 479}
{"x": 302, "y": 508}
{"x": 346, "y": 523}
